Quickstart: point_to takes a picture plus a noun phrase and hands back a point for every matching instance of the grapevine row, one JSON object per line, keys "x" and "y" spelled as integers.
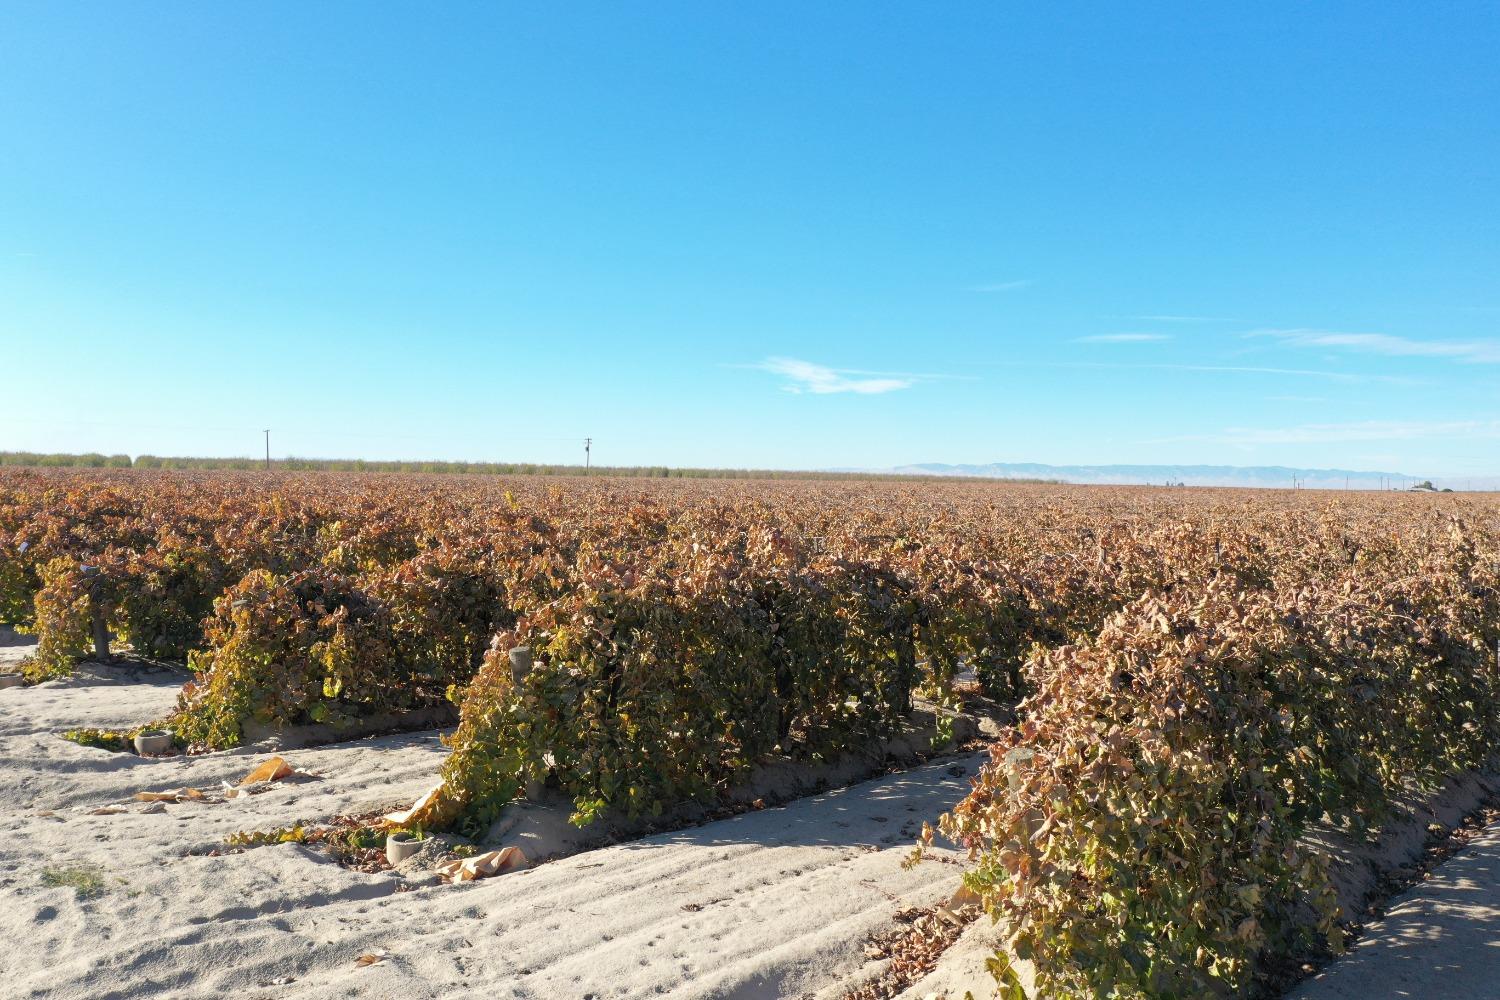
{"x": 1200, "y": 675}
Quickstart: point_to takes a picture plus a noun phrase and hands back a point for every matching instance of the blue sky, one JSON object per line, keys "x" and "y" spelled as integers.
{"x": 771, "y": 235}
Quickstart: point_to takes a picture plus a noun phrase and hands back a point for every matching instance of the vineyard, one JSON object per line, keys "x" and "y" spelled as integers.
{"x": 1198, "y": 676}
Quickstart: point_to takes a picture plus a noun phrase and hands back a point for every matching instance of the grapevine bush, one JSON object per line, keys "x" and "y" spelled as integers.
{"x": 1138, "y": 833}
{"x": 656, "y": 683}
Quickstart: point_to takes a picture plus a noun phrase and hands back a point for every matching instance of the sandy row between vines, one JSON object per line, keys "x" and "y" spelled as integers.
{"x": 768, "y": 904}
{"x": 1441, "y": 938}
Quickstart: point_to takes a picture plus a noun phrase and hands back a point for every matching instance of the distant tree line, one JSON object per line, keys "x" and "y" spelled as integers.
{"x": 90, "y": 460}
{"x": 97, "y": 461}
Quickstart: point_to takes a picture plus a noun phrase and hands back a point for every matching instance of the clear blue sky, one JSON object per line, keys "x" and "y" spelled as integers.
{"x": 773, "y": 235}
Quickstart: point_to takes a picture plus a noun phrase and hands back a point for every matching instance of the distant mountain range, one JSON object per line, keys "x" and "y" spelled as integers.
{"x": 1264, "y": 476}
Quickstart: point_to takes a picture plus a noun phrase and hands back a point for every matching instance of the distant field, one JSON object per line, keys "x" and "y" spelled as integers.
{"x": 94, "y": 460}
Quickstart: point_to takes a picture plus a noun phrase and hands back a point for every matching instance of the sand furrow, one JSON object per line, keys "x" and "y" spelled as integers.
{"x": 772, "y": 902}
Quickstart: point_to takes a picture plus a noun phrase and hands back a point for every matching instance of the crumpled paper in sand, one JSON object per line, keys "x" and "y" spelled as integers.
{"x": 404, "y": 816}
{"x": 506, "y": 859}
{"x": 265, "y": 774}
{"x": 175, "y": 795}
{"x": 273, "y": 769}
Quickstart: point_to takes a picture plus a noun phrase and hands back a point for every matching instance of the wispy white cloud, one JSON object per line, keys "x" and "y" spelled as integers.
{"x": 1004, "y": 286}
{"x": 1474, "y": 352}
{"x": 1121, "y": 338}
{"x": 1223, "y": 369}
{"x": 805, "y": 376}
{"x": 1367, "y": 430}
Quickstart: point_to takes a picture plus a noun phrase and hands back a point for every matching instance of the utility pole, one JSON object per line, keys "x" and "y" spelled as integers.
{"x": 588, "y": 444}
{"x": 268, "y": 449}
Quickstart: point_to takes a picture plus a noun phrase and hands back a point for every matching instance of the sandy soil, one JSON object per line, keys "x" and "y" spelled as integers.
{"x": 1441, "y": 938}
{"x": 768, "y": 904}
